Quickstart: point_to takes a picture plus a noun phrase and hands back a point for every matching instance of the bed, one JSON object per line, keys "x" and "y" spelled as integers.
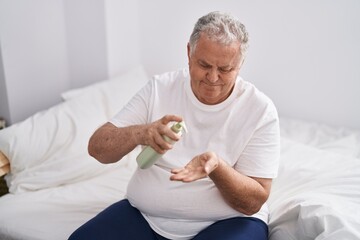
{"x": 55, "y": 186}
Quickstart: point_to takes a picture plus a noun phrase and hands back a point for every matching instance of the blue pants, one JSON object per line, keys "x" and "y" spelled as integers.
{"x": 121, "y": 221}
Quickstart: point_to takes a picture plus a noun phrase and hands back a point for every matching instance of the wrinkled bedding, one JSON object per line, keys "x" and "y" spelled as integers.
{"x": 316, "y": 194}
{"x": 55, "y": 186}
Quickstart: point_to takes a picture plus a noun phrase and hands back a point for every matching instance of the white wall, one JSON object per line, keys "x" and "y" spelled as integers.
{"x": 34, "y": 59}
{"x": 303, "y": 54}
{"x": 4, "y": 104}
{"x": 86, "y": 41}
{"x": 122, "y": 34}
{"x": 47, "y": 47}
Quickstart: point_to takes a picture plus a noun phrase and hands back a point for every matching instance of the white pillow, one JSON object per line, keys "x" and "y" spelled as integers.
{"x": 341, "y": 140}
{"x": 315, "y": 195}
{"x": 130, "y": 80}
{"x": 50, "y": 148}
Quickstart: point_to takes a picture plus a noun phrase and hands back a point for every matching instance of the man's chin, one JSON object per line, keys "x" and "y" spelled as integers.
{"x": 210, "y": 100}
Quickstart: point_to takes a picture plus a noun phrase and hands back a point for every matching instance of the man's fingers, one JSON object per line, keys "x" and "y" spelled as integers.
{"x": 176, "y": 170}
{"x": 178, "y": 174}
{"x": 170, "y": 118}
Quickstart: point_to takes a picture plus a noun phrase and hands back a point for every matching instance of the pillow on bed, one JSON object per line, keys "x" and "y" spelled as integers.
{"x": 341, "y": 140}
{"x": 315, "y": 195}
{"x": 128, "y": 81}
{"x": 50, "y": 148}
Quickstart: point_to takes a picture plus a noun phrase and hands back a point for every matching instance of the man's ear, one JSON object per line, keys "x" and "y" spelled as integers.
{"x": 242, "y": 61}
{"x": 188, "y": 51}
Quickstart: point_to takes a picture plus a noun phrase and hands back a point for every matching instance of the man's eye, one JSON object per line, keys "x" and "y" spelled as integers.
{"x": 225, "y": 70}
{"x": 204, "y": 65}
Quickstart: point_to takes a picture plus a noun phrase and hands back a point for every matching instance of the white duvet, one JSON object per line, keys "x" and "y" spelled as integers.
{"x": 56, "y": 187}
{"x": 316, "y": 195}
{"x": 54, "y": 213}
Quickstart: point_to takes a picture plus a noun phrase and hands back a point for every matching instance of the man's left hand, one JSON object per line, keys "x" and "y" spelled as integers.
{"x": 199, "y": 167}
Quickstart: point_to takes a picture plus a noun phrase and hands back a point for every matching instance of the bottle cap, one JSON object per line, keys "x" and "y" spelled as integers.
{"x": 179, "y": 126}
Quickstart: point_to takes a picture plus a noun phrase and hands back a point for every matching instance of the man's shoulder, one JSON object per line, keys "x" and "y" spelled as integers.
{"x": 250, "y": 88}
{"x": 170, "y": 80}
{"x": 172, "y": 75}
{"x": 256, "y": 96}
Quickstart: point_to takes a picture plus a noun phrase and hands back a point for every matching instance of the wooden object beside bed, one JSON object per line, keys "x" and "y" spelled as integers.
{"x": 4, "y": 164}
{"x": 4, "y": 169}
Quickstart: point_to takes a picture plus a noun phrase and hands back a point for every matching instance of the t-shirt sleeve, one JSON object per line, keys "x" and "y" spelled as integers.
{"x": 136, "y": 111}
{"x": 260, "y": 157}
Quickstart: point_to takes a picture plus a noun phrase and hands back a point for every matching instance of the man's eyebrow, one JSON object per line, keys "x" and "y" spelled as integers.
{"x": 226, "y": 66}
{"x": 203, "y": 62}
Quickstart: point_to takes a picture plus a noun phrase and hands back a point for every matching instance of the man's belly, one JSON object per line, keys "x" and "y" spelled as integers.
{"x": 152, "y": 192}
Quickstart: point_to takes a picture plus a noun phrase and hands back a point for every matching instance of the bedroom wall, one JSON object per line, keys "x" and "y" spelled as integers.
{"x": 303, "y": 54}
{"x": 4, "y": 105}
{"x": 34, "y": 60}
{"x": 48, "y": 47}
{"x": 86, "y": 42}
{"x": 122, "y": 35}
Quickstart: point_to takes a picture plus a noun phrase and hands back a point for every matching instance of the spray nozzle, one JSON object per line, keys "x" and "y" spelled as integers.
{"x": 179, "y": 126}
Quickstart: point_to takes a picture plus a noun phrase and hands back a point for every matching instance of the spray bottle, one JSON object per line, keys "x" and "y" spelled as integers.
{"x": 148, "y": 156}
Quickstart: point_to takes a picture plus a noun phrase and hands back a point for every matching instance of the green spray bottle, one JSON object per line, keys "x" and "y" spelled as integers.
{"x": 148, "y": 156}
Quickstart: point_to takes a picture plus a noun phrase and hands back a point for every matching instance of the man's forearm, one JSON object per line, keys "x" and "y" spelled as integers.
{"x": 109, "y": 144}
{"x": 242, "y": 193}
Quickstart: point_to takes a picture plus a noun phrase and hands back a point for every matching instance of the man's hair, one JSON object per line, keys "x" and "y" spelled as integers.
{"x": 221, "y": 28}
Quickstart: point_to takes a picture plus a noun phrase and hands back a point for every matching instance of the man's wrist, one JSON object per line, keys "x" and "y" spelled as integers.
{"x": 219, "y": 165}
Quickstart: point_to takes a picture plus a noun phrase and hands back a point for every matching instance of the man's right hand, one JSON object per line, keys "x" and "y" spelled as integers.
{"x": 109, "y": 143}
{"x": 154, "y": 132}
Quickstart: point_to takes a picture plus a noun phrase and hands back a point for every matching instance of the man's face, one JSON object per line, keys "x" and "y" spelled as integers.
{"x": 213, "y": 69}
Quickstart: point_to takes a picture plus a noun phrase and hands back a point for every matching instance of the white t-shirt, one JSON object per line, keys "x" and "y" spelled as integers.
{"x": 243, "y": 130}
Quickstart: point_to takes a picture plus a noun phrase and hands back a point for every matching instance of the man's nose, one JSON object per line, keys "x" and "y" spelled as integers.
{"x": 212, "y": 75}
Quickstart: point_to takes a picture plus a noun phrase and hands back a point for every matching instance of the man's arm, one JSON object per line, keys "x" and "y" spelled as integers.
{"x": 243, "y": 193}
{"x": 109, "y": 143}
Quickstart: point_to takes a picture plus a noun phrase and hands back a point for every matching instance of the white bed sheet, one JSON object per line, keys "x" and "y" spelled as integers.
{"x": 54, "y": 185}
{"x": 336, "y": 139}
{"x": 54, "y": 213}
{"x": 316, "y": 195}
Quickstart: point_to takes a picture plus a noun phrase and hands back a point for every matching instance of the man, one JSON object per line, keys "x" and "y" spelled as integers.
{"x": 214, "y": 182}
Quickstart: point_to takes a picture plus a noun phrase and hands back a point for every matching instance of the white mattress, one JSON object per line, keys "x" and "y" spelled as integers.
{"x": 56, "y": 187}
{"x": 55, "y": 213}
{"x": 316, "y": 195}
